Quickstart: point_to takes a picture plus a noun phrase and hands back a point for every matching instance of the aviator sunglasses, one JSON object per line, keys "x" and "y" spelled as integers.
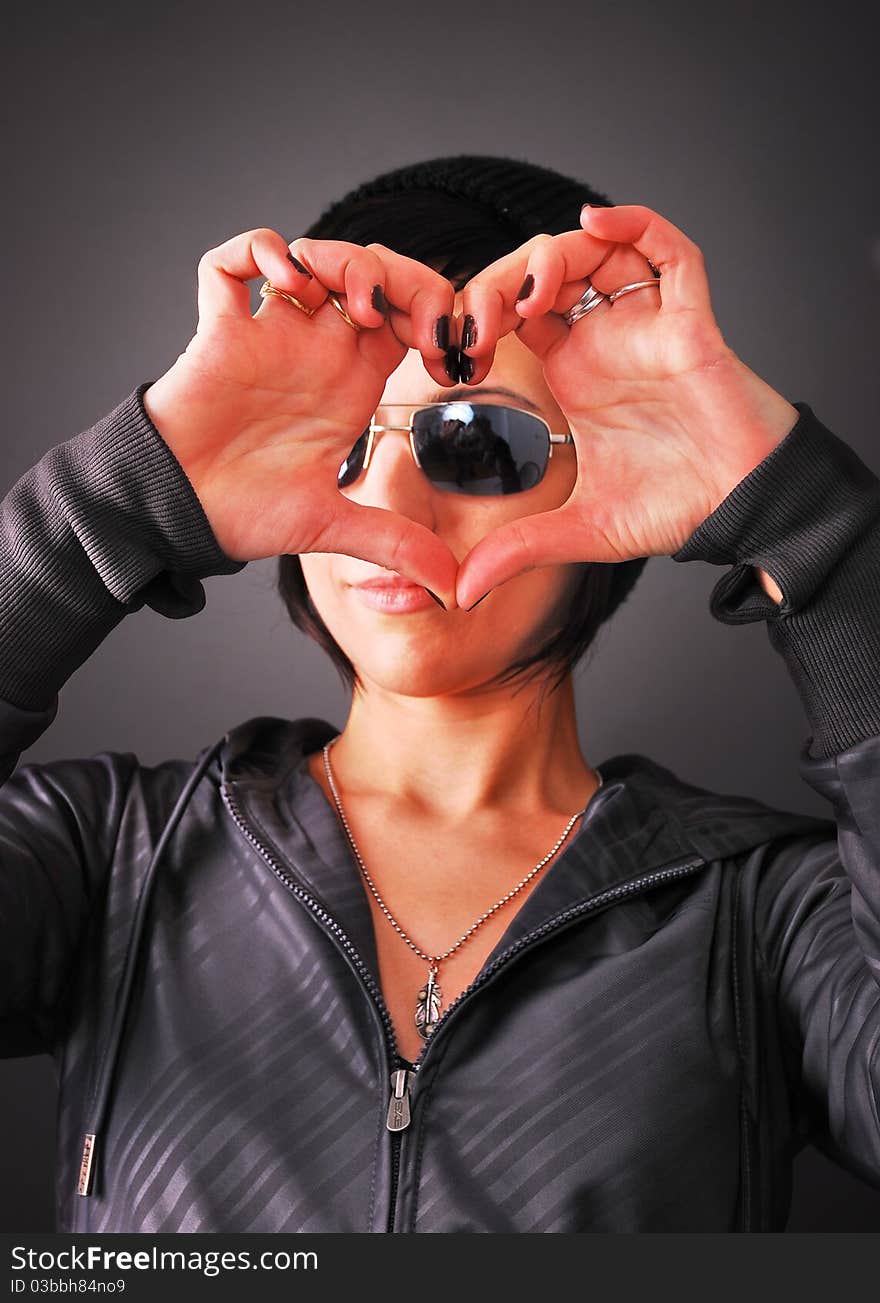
{"x": 484, "y": 449}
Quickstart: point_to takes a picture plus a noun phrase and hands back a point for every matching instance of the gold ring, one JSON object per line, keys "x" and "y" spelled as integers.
{"x": 331, "y": 298}
{"x": 267, "y": 289}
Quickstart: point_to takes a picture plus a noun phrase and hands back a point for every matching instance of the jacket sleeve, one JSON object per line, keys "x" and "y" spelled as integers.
{"x": 102, "y": 525}
{"x": 809, "y": 515}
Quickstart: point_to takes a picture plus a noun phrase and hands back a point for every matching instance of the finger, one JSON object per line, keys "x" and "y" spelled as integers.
{"x": 571, "y": 532}
{"x": 224, "y": 271}
{"x": 684, "y": 284}
{"x": 532, "y": 286}
{"x": 482, "y": 324}
{"x": 561, "y": 269}
{"x": 550, "y": 264}
{"x": 565, "y": 265}
{"x": 622, "y": 266}
{"x": 350, "y": 269}
{"x": 441, "y": 357}
{"x": 423, "y": 313}
{"x": 417, "y": 297}
{"x": 488, "y": 301}
{"x": 626, "y": 266}
{"x": 445, "y": 369}
{"x": 556, "y": 278}
{"x": 390, "y": 540}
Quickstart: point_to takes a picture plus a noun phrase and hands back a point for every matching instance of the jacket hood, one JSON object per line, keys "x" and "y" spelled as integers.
{"x": 643, "y": 817}
{"x": 264, "y": 750}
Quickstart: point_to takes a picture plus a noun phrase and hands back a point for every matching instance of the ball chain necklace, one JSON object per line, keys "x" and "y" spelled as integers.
{"x": 429, "y": 999}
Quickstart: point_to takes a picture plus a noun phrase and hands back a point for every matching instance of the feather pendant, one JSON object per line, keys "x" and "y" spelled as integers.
{"x": 428, "y": 1006}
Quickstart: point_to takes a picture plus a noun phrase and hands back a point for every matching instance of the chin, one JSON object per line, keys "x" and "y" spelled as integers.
{"x": 410, "y": 672}
{"x": 410, "y": 677}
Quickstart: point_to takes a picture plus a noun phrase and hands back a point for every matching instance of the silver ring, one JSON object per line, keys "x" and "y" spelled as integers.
{"x": 636, "y": 285}
{"x": 590, "y": 299}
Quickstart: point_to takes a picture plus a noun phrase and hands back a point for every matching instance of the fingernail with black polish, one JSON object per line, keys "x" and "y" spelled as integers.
{"x": 450, "y": 362}
{"x": 379, "y": 301}
{"x": 299, "y": 266}
{"x": 436, "y": 598}
{"x": 477, "y": 602}
{"x": 526, "y": 288}
{"x": 468, "y": 332}
{"x": 441, "y": 331}
{"x": 465, "y": 367}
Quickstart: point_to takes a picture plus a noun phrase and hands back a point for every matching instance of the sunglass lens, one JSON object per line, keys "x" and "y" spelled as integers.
{"x": 354, "y": 462}
{"x": 481, "y": 449}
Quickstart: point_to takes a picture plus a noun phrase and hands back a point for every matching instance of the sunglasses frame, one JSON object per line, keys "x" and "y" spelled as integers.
{"x": 373, "y": 430}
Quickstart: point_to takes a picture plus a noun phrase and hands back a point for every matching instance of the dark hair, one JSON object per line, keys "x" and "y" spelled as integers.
{"x": 460, "y": 213}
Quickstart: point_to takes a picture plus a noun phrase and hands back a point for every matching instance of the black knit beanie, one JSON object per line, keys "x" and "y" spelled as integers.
{"x": 523, "y": 198}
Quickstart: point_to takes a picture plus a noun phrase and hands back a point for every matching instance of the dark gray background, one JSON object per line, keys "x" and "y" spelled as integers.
{"x": 139, "y": 140}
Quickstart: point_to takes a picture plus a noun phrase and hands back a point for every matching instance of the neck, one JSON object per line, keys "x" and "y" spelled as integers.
{"x": 453, "y": 757}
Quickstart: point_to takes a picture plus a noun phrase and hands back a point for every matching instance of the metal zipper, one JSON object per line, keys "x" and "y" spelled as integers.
{"x": 328, "y": 921}
{"x": 397, "y": 1120}
{"x": 398, "y": 1114}
{"x": 399, "y": 1103}
{"x": 398, "y": 1117}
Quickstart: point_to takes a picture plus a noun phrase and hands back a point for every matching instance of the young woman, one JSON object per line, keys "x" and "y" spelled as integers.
{"x": 437, "y": 971}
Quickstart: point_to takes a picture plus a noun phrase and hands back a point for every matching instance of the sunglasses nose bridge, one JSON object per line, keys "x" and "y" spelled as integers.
{"x": 378, "y": 430}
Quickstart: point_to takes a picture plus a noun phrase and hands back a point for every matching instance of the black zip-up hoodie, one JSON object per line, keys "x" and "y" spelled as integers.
{"x": 690, "y": 993}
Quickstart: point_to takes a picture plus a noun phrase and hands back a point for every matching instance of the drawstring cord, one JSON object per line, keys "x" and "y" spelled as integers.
{"x": 101, "y": 1095}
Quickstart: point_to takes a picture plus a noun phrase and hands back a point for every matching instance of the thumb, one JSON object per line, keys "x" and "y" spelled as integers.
{"x": 391, "y": 540}
{"x": 556, "y": 537}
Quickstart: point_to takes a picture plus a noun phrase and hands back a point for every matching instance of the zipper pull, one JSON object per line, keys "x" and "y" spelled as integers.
{"x": 398, "y": 1107}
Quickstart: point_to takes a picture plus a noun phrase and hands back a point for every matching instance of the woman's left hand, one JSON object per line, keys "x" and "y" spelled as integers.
{"x": 666, "y": 419}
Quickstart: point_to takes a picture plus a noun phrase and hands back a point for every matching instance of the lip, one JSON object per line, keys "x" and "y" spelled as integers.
{"x": 387, "y": 581}
{"x": 394, "y": 596}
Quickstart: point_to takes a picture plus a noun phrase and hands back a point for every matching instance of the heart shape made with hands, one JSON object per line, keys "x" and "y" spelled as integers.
{"x": 526, "y": 292}
{"x": 666, "y": 419}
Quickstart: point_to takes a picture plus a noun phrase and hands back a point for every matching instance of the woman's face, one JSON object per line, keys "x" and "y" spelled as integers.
{"x": 429, "y": 651}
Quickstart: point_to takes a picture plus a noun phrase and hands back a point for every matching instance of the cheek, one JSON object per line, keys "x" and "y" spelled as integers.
{"x": 317, "y": 568}
{"x": 482, "y": 517}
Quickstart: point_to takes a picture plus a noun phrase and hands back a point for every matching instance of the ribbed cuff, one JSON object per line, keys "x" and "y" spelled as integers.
{"x": 102, "y": 525}
{"x": 809, "y": 515}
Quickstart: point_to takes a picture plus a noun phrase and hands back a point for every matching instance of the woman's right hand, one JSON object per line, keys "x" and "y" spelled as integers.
{"x": 261, "y": 409}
